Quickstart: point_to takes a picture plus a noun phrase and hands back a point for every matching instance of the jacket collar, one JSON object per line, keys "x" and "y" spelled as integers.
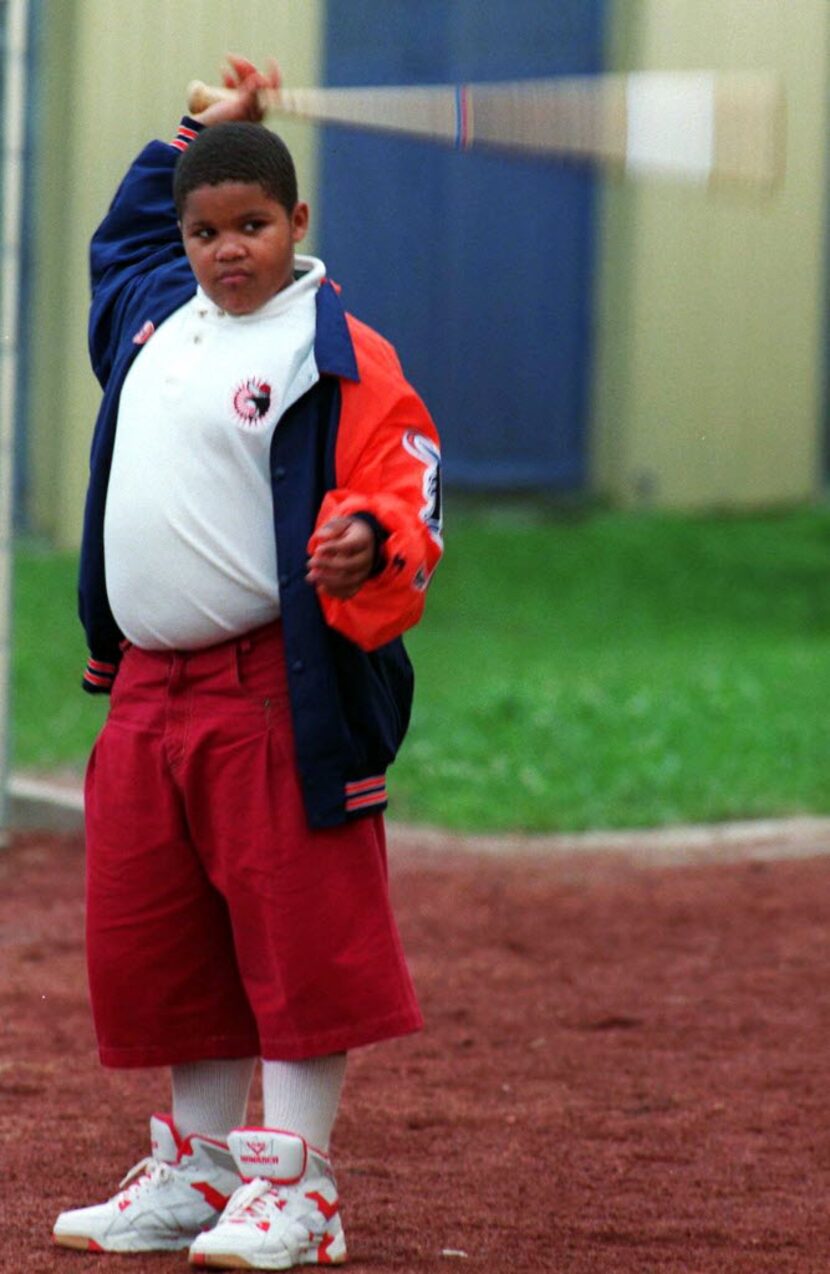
{"x": 333, "y": 348}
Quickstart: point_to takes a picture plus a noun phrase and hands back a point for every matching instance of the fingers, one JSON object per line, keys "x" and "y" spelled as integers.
{"x": 240, "y": 70}
{"x": 242, "y": 76}
{"x": 343, "y": 556}
{"x": 336, "y": 529}
{"x": 273, "y": 73}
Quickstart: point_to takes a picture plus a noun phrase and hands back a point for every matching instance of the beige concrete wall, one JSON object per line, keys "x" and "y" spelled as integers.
{"x": 711, "y": 315}
{"x": 114, "y": 76}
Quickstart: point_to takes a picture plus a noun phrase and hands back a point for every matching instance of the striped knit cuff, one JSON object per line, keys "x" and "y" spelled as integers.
{"x": 99, "y": 676}
{"x": 188, "y": 130}
{"x": 366, "y": 794}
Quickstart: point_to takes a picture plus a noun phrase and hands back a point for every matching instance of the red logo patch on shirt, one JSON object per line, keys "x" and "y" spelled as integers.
{"x": 252, "y": 401}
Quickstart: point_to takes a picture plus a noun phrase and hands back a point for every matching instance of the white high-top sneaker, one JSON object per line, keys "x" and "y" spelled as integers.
{"x": 287, "y": 1212}
{"x": 163, "y": 1202}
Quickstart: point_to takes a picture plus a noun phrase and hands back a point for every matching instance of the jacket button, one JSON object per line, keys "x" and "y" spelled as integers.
{"x": 279, "y": 473}
{"x": 283, "y": 581}
{"x": 297, "y": 665}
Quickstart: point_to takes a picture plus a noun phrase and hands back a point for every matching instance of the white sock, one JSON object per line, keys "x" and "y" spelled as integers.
{"x": 211, "y": 1097}
{"x": 303, "y": 1097}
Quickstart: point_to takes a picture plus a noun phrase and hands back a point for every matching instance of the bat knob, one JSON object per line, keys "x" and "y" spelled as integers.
{"x": 200, "y": 96}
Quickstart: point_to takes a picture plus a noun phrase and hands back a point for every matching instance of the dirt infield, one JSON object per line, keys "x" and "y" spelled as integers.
{"x": 625, "y": 1070}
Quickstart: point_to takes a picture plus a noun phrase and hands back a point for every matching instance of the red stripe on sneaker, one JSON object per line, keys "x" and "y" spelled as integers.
{"x": 328, "y": 1209}
{"x": 211, "y": 1195}
{"x": 323, "y": 1257}
{"x": 92, "y": 1246}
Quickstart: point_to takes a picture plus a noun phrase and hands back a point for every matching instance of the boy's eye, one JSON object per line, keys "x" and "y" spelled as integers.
{"x": 253, "y": 225}
{"x": 204, "y": 232}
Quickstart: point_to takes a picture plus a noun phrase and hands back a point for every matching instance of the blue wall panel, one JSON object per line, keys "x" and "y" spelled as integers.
{"x": 478, "y": 266}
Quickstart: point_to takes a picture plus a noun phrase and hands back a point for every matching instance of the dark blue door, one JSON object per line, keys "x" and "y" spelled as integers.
{"x": 477, "y": 266}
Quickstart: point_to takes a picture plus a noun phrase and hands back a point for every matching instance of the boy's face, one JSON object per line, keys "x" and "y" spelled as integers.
{"x": 240, "y": 243}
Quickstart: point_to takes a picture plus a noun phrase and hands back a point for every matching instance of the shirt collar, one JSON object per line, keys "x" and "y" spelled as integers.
{"x": 309, "y": 273}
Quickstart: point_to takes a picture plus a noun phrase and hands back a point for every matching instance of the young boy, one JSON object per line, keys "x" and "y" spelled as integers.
{"x": 262, "y": 520}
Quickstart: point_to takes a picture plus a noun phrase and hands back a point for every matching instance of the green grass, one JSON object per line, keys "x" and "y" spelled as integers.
{"x": 623, "y": 671}
{"x": 611, "y": 671}
{"x": 53, "y": 721}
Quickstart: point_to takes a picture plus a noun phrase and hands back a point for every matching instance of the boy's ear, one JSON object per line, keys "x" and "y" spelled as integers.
{"x": 300, "y": 218}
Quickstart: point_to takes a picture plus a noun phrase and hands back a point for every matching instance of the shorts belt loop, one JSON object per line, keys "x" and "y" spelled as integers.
{"x": 238, "y": 649}
{"x": 175, "y": 675}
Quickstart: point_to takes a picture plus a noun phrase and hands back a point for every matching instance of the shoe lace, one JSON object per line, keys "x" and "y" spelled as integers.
{"x": 255, "y": 1198}
{"x": 147, "y": 1172}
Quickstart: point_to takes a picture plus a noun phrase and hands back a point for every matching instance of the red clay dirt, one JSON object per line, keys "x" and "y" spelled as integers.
{"x": 625, "y": 1069}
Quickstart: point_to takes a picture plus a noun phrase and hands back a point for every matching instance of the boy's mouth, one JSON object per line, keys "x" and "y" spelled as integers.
{"x": 231, "y": 277}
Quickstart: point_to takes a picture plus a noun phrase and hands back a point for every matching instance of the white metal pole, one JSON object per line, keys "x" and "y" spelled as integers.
{"x": 14, "y": 131}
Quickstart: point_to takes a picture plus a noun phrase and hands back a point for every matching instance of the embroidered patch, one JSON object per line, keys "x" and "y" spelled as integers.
{"x": 425, "y": 450}
{"x": 252, "y": 401}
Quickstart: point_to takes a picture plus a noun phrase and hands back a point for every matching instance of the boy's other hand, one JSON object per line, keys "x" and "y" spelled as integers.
{"x": 342, "y": 556}
{"x": 244, "y": 81}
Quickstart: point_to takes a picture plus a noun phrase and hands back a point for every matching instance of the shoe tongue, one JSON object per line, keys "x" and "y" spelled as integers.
{"x": 277, "y": 1156}
{"x": 163, "y": 1139}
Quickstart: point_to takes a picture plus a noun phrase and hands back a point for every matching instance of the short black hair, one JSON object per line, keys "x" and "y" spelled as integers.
{"x": 237, "y": 151}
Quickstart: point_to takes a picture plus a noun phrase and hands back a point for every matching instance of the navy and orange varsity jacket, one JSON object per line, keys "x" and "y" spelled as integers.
{"x": 360, "y": 441}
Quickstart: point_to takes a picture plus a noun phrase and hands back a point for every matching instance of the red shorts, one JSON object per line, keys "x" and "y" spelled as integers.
{"x": 218, "y": 923}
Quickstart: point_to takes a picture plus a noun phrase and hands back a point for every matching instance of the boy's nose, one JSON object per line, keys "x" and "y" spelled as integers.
{"x": 230, "y": 248}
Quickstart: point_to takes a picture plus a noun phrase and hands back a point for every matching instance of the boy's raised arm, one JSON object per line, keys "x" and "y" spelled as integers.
{"x": 140, "y": 231}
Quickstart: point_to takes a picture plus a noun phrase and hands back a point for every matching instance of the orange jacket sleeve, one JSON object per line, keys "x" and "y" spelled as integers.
{"x": 388, "y": 464}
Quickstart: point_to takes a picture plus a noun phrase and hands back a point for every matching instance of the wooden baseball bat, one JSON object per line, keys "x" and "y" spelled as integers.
{"x": 701, "y": 126}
